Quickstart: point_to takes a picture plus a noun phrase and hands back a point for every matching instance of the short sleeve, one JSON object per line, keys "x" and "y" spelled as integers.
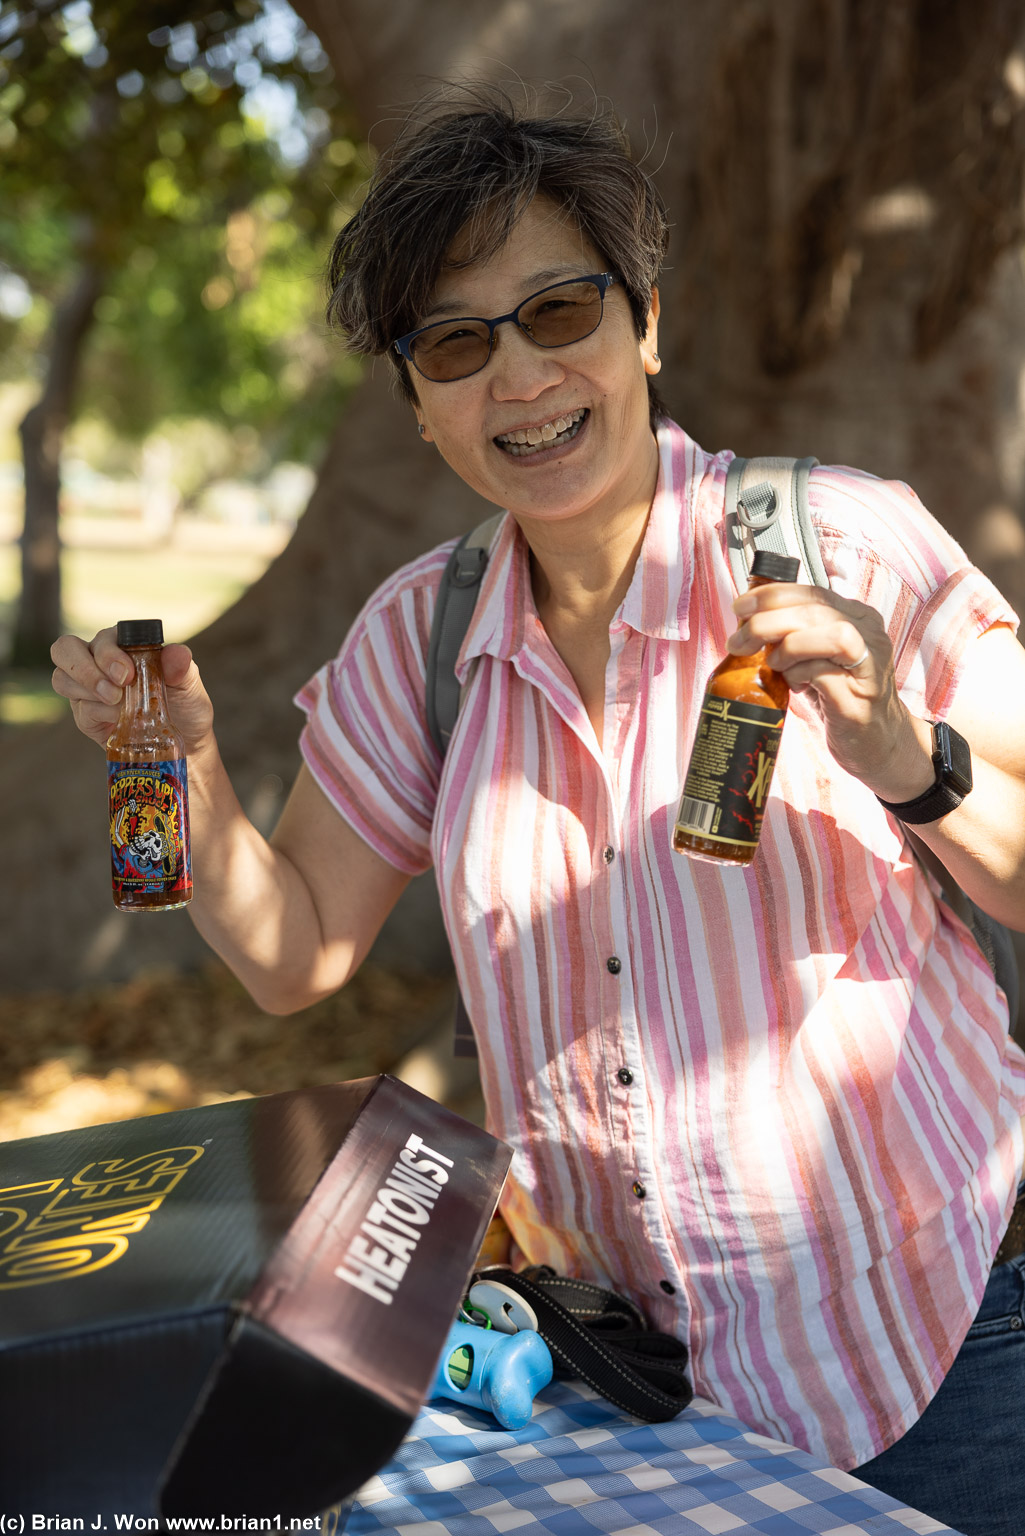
{"x": 880, "y": 546}
{"x": 366, "y": 740}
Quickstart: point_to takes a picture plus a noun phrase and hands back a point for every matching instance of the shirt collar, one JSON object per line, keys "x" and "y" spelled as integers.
{"x": 657, "y": 601}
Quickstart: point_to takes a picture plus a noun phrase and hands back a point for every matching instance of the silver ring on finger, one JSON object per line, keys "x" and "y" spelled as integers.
{"x": 852, "y": 666}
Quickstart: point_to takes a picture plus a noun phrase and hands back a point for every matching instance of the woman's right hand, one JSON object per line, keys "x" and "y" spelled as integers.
{"x": 91, "y": 675}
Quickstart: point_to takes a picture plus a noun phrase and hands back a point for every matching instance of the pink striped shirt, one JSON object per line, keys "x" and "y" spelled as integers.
{"x": 776, "y": 1105}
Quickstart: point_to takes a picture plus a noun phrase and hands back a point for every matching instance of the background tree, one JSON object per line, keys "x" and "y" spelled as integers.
{"x": 146, "y": 202}
{"x": 845, "y": 279}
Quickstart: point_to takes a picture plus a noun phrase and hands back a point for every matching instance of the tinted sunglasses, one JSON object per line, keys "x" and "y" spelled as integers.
{"x": 552, "y": 317}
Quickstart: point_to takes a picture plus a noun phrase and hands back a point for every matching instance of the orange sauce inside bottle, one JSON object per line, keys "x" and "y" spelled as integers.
{"x": 151, "y": 866}
{"x": 741, "y": 680}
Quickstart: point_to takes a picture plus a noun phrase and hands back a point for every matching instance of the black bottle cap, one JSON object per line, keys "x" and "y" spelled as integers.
{"x": 775, "y": 567}
{"x": 140, "y": 632}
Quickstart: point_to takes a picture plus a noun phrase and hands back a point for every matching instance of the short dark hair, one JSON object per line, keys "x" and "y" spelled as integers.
{"x": 474, "y": 171}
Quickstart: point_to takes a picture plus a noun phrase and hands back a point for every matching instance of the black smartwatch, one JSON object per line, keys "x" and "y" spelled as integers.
{"x": 952, "y": 759}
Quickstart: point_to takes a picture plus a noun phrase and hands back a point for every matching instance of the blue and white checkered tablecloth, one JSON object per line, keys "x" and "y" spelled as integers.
{"x": 581, "y": 1467}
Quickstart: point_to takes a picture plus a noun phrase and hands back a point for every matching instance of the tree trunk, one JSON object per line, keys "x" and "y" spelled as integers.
{"x": 38, "y": 620}
{"x": 846, "y": 182}
{"x": 845, "y": 178}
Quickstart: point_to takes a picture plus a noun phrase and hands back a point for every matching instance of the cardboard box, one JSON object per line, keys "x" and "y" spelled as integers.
{"x": 231, "y": 1312}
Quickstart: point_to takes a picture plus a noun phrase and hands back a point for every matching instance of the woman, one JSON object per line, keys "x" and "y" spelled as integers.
{"x": 776, "y": 1105}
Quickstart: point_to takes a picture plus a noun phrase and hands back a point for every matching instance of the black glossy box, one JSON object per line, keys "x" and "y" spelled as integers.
{"x": 233, "y": 1311}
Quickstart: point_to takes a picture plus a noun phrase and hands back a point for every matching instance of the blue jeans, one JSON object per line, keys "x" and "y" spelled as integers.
{"x": 964, "y": 1461}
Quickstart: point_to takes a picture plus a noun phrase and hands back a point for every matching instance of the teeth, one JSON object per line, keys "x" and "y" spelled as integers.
{"x": 534, "y": 437}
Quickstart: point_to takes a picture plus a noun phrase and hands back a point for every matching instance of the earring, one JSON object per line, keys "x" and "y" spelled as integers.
{"x": 421, "y": 429}
{"x": 655, "y": 357}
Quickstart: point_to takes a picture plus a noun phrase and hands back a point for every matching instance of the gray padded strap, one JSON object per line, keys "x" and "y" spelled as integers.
{"x": 453, "y": 610}
{"x": 767, "y": 508}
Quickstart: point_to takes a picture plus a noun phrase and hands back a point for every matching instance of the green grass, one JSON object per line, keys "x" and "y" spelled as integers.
{"x": 26, "y": 698}
{"x": 184, "y": 588}
{"x": 187, "y": 584}
{"x": 187, "y": 589}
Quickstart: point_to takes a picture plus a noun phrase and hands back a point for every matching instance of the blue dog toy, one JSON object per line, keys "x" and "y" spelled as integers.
{"x": 500, "y": 1372}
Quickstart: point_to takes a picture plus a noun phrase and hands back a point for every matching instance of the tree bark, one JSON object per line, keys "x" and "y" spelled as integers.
{"x": 844, "y": 280}
{"x": 845, "y": 177}
{"x": 39, "y": 614}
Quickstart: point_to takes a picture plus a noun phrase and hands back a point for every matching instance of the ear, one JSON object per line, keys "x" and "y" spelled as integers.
{"x": 649, "y": 341}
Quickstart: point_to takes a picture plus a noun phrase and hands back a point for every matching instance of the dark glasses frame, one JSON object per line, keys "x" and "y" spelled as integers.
{"x": 603, "y": 281}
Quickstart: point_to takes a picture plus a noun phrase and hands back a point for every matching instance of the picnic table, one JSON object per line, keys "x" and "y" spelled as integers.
{"x": 582, "y": 1467}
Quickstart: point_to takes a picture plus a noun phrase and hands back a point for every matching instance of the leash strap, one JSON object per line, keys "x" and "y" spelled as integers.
{"x": 602, "y": 1338}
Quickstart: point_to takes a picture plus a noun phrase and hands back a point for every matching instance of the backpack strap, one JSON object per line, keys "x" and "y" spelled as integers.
{"x": 767, "y": 508}
{"x": 453, "y": 610}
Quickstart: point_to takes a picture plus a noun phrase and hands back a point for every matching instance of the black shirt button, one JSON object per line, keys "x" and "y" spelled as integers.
{"x": 670, "y": 1290}
{"x": 625, "y": 1076}
{"x": 614, "y": 965}
{"x": 639, "y": 1190}
{"x": 608, "y": 853}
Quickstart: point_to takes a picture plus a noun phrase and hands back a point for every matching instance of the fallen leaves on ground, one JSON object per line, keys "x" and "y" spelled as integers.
{"x": 171, "y": 1041}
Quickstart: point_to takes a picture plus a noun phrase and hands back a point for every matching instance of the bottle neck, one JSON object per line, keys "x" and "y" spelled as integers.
{"x": 144, "y": 695}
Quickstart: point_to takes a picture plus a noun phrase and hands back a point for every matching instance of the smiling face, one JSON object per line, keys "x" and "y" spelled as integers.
{"x": 549, "y": 433}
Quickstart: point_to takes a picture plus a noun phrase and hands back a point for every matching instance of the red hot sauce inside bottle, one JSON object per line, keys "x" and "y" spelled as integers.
{"x": 734, "y": 753}
{"x": 151, "y": 862}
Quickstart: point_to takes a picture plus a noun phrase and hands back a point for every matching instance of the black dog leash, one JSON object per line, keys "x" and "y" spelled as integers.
{"x": 602, "y": 1338}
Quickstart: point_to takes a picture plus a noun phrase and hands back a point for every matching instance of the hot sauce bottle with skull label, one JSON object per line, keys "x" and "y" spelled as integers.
{"x": 734, "y": 753}
{"x": 151, "y": 864}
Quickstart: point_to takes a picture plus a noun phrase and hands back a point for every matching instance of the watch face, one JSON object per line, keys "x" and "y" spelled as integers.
{"x": 953, "y": 758}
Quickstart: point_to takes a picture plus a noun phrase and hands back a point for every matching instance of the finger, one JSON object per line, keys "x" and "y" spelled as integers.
{"x": 72, "y": 687}
{"x": 84, "y": 681}
{"x": 69, "y": 653}
{"x": 842, "y": 648}
{"x": 176, "y": 661}
{"x": 858, "y": 662}
{"x": 112, "y": 661}
{"x": 95, "y": 720}
{"x": 832, "y": 632}
{"x": 787, "y": 594}
{"x": 773, "y": 595}
{"x": 826, "y": 676}
{"x": 182, "y": 674}
{"x": 88, "y": 665}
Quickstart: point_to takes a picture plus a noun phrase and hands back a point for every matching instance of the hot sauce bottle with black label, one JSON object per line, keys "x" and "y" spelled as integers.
{"x": 734, "y": 753}
{"x": 151, "y": 863}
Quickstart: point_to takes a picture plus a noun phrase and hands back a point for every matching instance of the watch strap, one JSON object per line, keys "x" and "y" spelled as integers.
{"x": 940, "y": 798}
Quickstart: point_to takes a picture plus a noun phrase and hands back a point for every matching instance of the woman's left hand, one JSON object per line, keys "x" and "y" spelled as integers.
{"x": 838, "y": 650}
